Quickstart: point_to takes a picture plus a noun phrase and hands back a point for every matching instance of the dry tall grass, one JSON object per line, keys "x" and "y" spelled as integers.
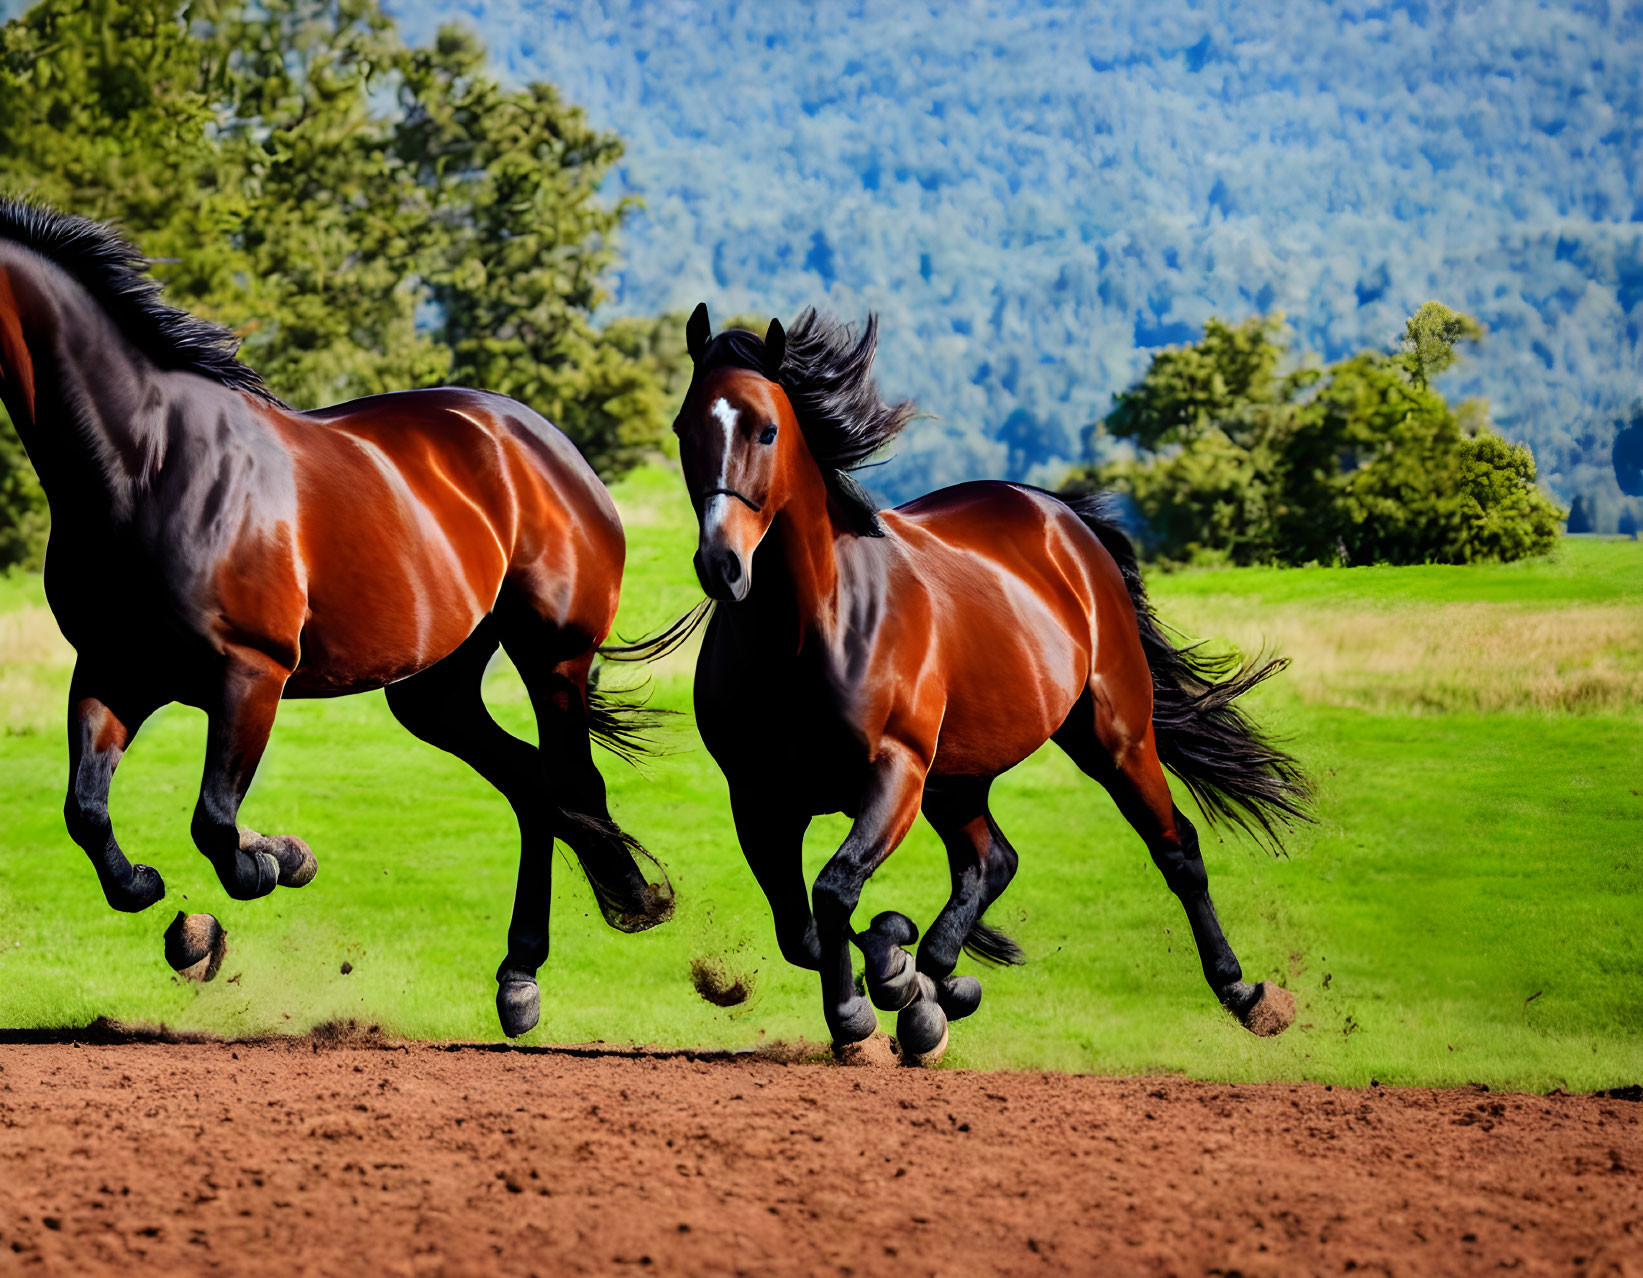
{"x": 1435, "y": 657}
{"x": 35, "y": 662}
{"x": 1416, "y": 658}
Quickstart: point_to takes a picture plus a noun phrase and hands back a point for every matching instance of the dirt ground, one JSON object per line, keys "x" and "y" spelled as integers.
{"x": 344, "y": 1157}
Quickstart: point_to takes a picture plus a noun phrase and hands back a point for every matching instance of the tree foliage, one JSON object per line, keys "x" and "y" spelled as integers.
{"x": 1244, "y": 455}
{"x": 369, "y": 216}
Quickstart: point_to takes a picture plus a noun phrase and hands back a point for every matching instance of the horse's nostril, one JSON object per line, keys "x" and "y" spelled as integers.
{"x": 732, "y": 568}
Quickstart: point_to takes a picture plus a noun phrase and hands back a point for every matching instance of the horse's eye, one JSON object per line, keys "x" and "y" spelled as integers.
{"x": 768, "y": 435}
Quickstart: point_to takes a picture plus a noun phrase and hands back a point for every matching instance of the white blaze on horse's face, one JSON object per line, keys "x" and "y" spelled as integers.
{"x": 713, "y": 509}
{"x": 726, "y": 445}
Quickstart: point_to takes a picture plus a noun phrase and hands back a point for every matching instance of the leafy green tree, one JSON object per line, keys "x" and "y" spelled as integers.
{"x": 1429, "y": 339}
{"x": 23, "y": 521}
{"x": 1238, "y": 460}
{"x": 334, "y": 231}
{"x": 367, "y": 216}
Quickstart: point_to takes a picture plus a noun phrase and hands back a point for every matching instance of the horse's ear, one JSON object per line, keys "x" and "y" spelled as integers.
{"x": 697, "y": 332}
{"x": 775, "y": 349}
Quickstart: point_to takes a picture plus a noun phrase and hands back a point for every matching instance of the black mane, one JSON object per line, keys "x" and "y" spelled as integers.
{"x": 827, "y": 372}
{"x": 116, "y": 276}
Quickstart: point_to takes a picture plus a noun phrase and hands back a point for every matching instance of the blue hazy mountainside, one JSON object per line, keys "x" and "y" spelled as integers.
{"x": 1035, "y": 196}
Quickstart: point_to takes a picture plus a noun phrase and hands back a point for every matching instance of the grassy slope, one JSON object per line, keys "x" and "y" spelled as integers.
{"x": 1467, "y": 908}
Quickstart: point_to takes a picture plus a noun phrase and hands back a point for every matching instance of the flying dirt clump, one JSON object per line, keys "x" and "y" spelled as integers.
{"x": 718, "y": 984}
{"x": 195, "y": 945}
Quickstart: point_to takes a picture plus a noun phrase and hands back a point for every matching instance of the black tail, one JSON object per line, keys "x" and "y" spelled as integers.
{"x": 621, "y": 721}
{"x": 1232, "y": 769}
{"x": 992, "y": 946}
{"x": 665, "y": 642}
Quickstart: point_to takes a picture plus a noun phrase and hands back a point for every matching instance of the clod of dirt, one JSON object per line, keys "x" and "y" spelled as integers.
{"x": 1273, "y": 1013}
{"x": 347, "y": 967}
{"x": 344, "y": 1033}
{"x": 876, "y": 1051}
{"x": 195, "y": 945}
{"x": 715, "y": 982}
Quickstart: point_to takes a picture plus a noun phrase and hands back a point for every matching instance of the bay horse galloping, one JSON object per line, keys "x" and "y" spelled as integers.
{"x": 210, "y": 545}
{"x": 880, "y": 663}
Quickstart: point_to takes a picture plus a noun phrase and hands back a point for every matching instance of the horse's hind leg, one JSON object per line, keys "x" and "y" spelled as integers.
{"x": 558, "y": 686}
{"x": 101, "y": 723}
{"x": 443, "y": 706}
{"x": 1132, "y": 774}
{"x": 982, "y": 863}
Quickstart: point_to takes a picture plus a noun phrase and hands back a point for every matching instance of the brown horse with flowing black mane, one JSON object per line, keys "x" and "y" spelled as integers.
{"x": 880, "y": 663}
{"x": 212, "y": 546}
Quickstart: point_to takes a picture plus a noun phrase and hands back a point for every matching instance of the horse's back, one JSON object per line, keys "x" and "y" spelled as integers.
{"x": 989, "y": 534}
{"x": 1027, "y": 608}
{"x": 417, "y": 509}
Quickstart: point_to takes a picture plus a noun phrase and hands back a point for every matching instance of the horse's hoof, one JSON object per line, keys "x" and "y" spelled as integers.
{"x": 854, "y": 1021}
{"x": 958, "y": 996}
{"x": 1271, "y": 1012}
{"x": 268, "y": 875}
{"x": 653, "y": 907}
{"x": 874, "y": 1051}
{"x": 896, "y": 928}
{"x": 518, "y": 1004}
{"x": 143, "y": 889}
{"x": 921, "y": 1032}
{"x": 296, "y": 860}
{"x": 195, "y": 945}
{"x": 899, "y": 985}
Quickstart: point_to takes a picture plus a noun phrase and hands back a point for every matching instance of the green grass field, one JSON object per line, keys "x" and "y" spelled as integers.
{"x": 1467, "y": 908}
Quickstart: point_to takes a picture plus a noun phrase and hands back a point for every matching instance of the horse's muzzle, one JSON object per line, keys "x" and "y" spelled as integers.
{"x": 722, "y": 574}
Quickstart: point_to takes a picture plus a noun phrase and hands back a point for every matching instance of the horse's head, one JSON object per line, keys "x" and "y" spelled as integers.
{"x": 738, "y": 444}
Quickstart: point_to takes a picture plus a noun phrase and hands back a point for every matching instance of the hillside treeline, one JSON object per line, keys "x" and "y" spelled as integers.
{"x": 1037, "y": 197}
{"x": 372, "y": 214}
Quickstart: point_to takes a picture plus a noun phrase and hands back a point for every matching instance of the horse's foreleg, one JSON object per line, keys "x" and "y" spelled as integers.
{"x": 889, "y": 804}
{"x": 240, "y": 720}
{"x": 772, "y": 839}
{"x": 982, "y": 863}
{"x": 98, "y": 734}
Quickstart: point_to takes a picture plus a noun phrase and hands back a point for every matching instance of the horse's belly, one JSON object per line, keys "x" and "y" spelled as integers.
{"x": 371, "y": 630}
{"x": 1005, "y": 697}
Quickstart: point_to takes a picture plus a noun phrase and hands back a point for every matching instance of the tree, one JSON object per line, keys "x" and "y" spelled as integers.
{"x": 367, "y": 216}
{"x": 1360, "y": 462}
{"x": 1429, "y": 338}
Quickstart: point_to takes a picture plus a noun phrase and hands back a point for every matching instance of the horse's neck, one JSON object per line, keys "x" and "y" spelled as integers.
{"x": 87, "y": 405}
{"x": 797, "y": 574}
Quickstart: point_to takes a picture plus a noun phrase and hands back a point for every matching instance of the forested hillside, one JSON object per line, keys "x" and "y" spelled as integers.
{"x": 1035, "y": 196}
